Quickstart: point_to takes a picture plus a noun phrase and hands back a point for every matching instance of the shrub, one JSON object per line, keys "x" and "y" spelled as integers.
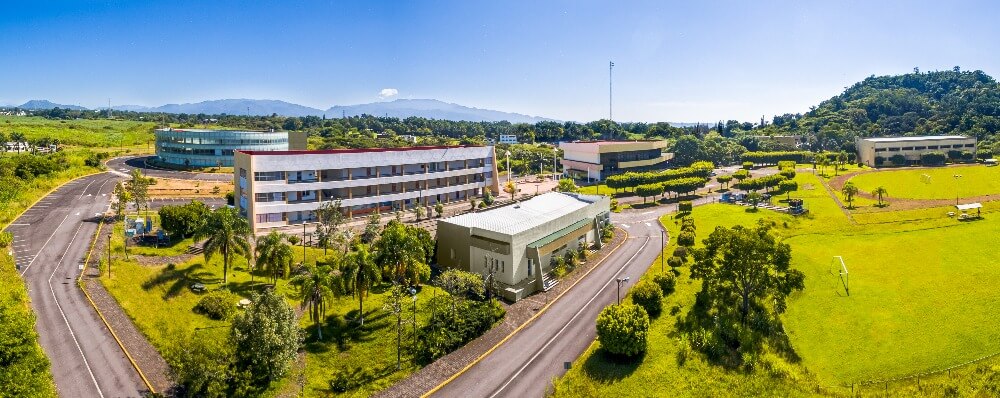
{"x": 649, "y": 296}
{"x": 452, "y": 325}
{"x": 747, "y": 165}
{"x": 898, "y": 159}
{"x": 349, "y": 378}
{"x": 6, "y": 238}
{"x": 685, "y": 238}
{"x": 788, "y": 173}
{"x": 622, "y": 329}
{"x": 581, "y": 253}
{"x": 685, "y": 205}
{"x": 786, "y": 164}
{"x": 218, "y": 305}
{"x": 932, "y": 158}
{"x": 675, "y": 262}
{"x": 681, "y": 252}
{"x": 666, "y": 281}
{"x": 294, "y": 239}
{"x": 607, "y": 233}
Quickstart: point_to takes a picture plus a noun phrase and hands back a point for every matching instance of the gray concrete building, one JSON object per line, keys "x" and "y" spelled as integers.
{"x": 516, "y": 243}
{"x": 212, "y": 148}
{"x": 596, "y": 160}
{"x": 879, "y": 151}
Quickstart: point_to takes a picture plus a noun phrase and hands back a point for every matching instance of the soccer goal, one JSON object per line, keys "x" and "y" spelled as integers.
{"x": 845, "y": 278}
{"x": 925, "y": 178}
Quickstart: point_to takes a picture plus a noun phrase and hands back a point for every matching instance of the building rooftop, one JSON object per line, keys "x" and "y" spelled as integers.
{"x": 609, "y": 142}
{"x": 355, "y": 150}
{"x": 220, "y": 130}
{"x": 918, "y": 138}
{"x": 522, "y": 216}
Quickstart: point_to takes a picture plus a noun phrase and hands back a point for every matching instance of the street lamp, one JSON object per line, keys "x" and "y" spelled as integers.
{"x": 413, "y": 292}
{"x": 662, "y": 248}
{"x": 508, "y": 167}
{"x": 620, "y": 282}
{"x": 555, "y": 164}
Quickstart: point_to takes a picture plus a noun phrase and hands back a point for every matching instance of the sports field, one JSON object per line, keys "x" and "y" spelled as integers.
{"x": 923, "y": 288}
{"x": 933, "y": 183}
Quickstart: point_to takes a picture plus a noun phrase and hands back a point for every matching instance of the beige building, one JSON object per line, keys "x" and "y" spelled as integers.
{"x": 596, "y": 160}
{"x": 516, "y": 242}
{"x": 791, "y": 141}
{"x": 879, "y": 151}
{"x": 279, "y": 188}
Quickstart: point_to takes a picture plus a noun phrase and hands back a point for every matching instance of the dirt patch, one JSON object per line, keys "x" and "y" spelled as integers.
{"x": 171, "y": 188}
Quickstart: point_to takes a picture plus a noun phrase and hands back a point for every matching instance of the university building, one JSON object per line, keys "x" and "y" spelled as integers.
{"x": 279, "y": 188}
{"x": 596, "y": 160}
{"x": 213, "y": 148}
{"x": 514, "y": 245}
{"x": 879, "y": 151}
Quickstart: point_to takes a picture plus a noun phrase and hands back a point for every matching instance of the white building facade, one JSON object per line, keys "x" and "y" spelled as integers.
{"x": 880, "y": 151}
{"x": 508, "y": 139}
{"x": 279, "y": 188}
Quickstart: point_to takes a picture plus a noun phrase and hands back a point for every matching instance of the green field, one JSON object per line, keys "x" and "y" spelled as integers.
{"x": 976, "y": 180}
{"x": 159, "y": 301}
{"x": 922, "y": 292}
{"x": 98, "y": 133}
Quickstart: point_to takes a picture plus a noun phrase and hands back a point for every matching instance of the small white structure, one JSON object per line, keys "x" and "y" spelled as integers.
{"x": 508, "y": 139}
{"x": 971, "y": 206}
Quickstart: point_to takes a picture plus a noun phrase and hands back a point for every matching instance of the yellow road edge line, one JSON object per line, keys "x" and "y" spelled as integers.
{"x": 79, "y": 279}
{"x": 526, "y": 323}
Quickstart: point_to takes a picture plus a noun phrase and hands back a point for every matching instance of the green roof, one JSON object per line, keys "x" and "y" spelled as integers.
{"x": 558, "y": 234}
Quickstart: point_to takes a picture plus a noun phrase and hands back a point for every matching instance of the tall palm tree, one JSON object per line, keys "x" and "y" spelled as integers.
{"x": 317, "y": 286}
{"x": 849, "y": 190}
{"x": 274, "y": 255}
{"x": 360, "y": 275}
{"x": 227, "y": 233}
{"x": 880, "y": 192}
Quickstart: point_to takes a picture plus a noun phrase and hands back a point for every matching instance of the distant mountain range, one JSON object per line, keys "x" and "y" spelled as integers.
{"x": 401, "y": 108}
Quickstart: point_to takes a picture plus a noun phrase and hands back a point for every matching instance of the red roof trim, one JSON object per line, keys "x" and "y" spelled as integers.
{"x": 355, "y": 150}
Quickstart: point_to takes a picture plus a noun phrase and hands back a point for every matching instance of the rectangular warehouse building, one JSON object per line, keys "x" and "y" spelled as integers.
{"x": 879, "y": 151}
{"x": 279, "y": 188}
{"x": 517, "y": 242}
{"x": 596, "y": 160}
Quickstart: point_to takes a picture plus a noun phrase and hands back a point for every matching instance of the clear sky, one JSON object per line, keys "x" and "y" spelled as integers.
{"x": 684, "y": 61}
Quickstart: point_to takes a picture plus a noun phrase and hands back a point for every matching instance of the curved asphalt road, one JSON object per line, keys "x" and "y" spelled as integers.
{"x": 525, "y": 365}
{"x": 126, "y": 164}
{"x": 51, "y": 241}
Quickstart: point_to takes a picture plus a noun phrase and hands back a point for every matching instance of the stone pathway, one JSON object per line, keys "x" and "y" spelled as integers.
{"x": 518, "y": 313}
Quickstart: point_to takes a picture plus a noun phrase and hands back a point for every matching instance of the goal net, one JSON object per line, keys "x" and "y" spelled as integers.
{"x": 838, "y": 263}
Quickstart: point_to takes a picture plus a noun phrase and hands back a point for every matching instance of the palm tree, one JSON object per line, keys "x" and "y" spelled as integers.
{"x": 360, "y": 275}
{"x": 880, "y": 192}
{"x": 274, "y": 255}
{"x": 318, "y": 285}
{"x": 227, "y": 233}
{"x": 849, "y": 190}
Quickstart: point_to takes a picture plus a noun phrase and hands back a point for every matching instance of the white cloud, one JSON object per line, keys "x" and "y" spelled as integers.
{"x": 387, "y": 93}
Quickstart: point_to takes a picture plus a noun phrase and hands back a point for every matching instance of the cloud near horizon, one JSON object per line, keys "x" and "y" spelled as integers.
{"x": 388, "y": 93}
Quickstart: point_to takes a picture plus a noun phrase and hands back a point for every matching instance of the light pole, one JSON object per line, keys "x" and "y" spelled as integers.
{"x": 303, "y": 242}
{"x": 555, "y": 167}
{"x": 620, "y": 282}
{"x": 109, "y": 255}
{"x": 413, "y": 292}
{"x": 662, "y": 248}
{"x": 508, "y": 167}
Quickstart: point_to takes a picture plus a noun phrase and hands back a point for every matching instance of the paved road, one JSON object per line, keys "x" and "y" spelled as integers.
{"x": 127, "y": 164}
{"x": 50, "y": 242}
{"x": 525, "y": 365}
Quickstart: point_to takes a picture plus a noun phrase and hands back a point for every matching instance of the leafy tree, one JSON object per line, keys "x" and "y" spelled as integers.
{"x": 274, "y": 256}
{"x": 567, "y": 185}
{"x": 317, "y": 286}
{"x": 749, "y": 264}
{"x": 648, "y": 190}
{"x": 24, "y": 368}
{"x": 402, "y": 252}
{"x": 371, "y": 228}
{"x": 622, "y": 329}
{"x": 138, "y": 187}
{"x": 184, "y": 220}
{"x": 741, "y": 175}
{"x": 685, "y": 239}
{"x": 330, "y": 216}
{"x": 439, "y": 209}
{"x": 360, "y": 276}
{"x": 724, "y": 179}
{"x": 488, "y": 196}
{"x": 880, "y": 192}
{"x": 754, "y": 198}
{"x": 122, "y": 197}
{"x": 227, "y": 233}
{"x": 849, "y": 190}
{"x": 898, "y": 160}
{"x": 265, "y": 338}
{"x": 462, "y": 284}
{"x": 510, "y": 187}
{"x": 675, "y": 262}
{"x": 395, "y": 303}
{"x": 418, "y": 212}
{"x": 648, "y": 295}
{"x": 688, "y": 149}
{"x": 203, "y": 367}
{"x": 666, "y": 282}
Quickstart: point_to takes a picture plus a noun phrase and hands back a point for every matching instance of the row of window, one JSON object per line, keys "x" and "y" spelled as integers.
{"x": 920, "y": 148}
{"x": 300, "y": 176}
{"x": 196, "y": 151}
{"x": 222, "y": 141}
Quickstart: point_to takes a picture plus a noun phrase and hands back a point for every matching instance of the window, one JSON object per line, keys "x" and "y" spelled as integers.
{"x": 907, "y": 148}
{"x": 269, "y": 176}
{"x": 893, "y": 149}
{"x": 879, "y": 149}
{"x": 968, "y": 146}
{"x": 531, "y": 264}
{"x": 932, "y": 147}
{"x": 243, "y": 173}
{"x": 919, "y": 148}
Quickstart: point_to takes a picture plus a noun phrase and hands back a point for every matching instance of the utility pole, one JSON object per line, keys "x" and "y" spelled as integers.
{"x": 611, "y": 66}
{"x": 109, "y": 255}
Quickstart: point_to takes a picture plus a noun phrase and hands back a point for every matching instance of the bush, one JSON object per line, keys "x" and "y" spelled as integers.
{"x": 349, "y": 378}
{"x": 218, "y": 305}
{"x": 183, "y": 220}
{"x": 6, "y": 238}
{"x": 786, "y": 164}
{"x": 622, "y": 329}
{"x": 787, "y": 173}
{"x": 681, "y": 252}
{"x": 666, "y": 281}
{"x": 747, "y": 165}
{"x": 649, "y": 296}
{"x": 607, "y": 233}
{"x": 685, "y": 238}
{"x": 932, "y": 158}
{"x": 452, "y": 325}
{"x": 294, "y": 239}
{"x": 685, "y": 205}
{"x": 675, "y": 262}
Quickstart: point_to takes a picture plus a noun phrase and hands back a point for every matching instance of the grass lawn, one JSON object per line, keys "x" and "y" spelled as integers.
{"x": 90, "y": 133}
{"x": 976, "y": 180}
{"x": 160, "y": 302}
{"x": 19, "y": 350}
{"x": 910, "y": 311}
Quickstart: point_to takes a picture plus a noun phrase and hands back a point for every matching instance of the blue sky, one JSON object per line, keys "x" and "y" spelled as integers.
{"x": 673, "y": 61}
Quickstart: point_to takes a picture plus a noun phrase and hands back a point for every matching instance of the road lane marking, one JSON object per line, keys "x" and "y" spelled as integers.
{"x": 649, "y": 225}
{"x": 625, "y": 226}
{"x": 46, "y": 243}
{"x": 578, "y": 312}
{"x": 65, "y": 319}
{"x": 18, "y": 225}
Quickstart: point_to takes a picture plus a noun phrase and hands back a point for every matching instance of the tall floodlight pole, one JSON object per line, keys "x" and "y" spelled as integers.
{"x": 611, "y": 66}
{"x": 508, "y": 167}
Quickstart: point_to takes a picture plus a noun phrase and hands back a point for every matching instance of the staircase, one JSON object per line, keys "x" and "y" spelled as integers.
{"x": 548, "y": 282}
{"x": 194, "y": 249}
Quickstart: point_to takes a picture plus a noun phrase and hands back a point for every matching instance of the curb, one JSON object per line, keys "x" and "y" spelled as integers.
{"x": 79, "y": 279}
{"x": 525, "y": 324}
